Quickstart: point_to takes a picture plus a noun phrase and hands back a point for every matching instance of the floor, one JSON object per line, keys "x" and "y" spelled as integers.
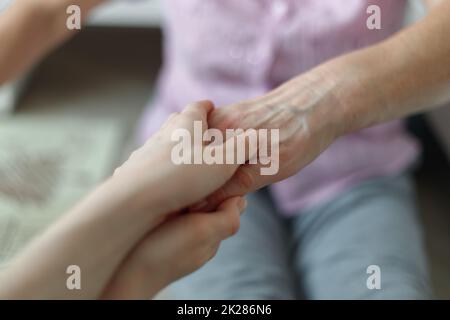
{"x": 105, "y": 74}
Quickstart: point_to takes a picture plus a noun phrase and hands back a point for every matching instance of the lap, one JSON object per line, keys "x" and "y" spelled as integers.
{"x": 254, "y": 264}
{"x": 321, "y": 253}
{"x": 373, "y": 224}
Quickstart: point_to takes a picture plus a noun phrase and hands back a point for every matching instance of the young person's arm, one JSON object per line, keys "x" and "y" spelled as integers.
{"x": 29, "y": 29}
{"x": 128, "y": 237}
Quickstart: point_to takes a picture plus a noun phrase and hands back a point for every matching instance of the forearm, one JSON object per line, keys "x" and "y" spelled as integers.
{"x": 31, "y": 28}
{"x": 136, "y": 281}
{"x": 406, "y": 74}
{"x": 96, "y": 236}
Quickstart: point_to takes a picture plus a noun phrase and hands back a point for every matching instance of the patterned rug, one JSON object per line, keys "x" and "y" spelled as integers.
{"x": 46, "y": 166}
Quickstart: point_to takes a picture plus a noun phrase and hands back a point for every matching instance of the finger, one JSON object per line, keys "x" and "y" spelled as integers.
{"x": 195, "y": 236}
{"x": 198, "y": 110}
{"x": 193, "y": 229}
{"x": 224, "y": 170}
{"x": 183, "y": 238}
{"x": 179, "y": 236}
{"x": 240, "y": 149}
{"x": 225, "y": 221}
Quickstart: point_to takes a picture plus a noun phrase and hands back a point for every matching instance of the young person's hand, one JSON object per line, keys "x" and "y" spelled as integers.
{"x": 177, "y": 185}
{"x": 131, "y": 234}
{"x": 182, "y": 242}
{"x": 176, "y": 248}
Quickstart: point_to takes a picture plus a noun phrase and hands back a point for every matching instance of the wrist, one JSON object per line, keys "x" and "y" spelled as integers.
{"x": 141, "y": 196}
{"x": 358, "y": 90}
{"x": 318, "y": 100}
{"x": 113, "y": 207}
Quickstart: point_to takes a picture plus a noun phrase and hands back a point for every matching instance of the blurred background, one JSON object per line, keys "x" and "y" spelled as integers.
{"x": 70, "y": 121}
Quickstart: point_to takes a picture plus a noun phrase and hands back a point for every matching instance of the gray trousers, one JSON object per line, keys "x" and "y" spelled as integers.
{"x": 323, "y": 253}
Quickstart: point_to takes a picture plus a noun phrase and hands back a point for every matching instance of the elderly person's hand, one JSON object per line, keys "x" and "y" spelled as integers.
{"x": 305, "y": 112}
{"x": 406, "y": 74}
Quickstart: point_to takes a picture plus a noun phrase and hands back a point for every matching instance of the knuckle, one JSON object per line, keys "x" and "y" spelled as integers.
{"x": 191, "y": 105}
{"x": 193, "y": 108}
{"x": 191, "y": 113}
{"x": 133, "y": 155}
{"x": 117, "y": 171}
